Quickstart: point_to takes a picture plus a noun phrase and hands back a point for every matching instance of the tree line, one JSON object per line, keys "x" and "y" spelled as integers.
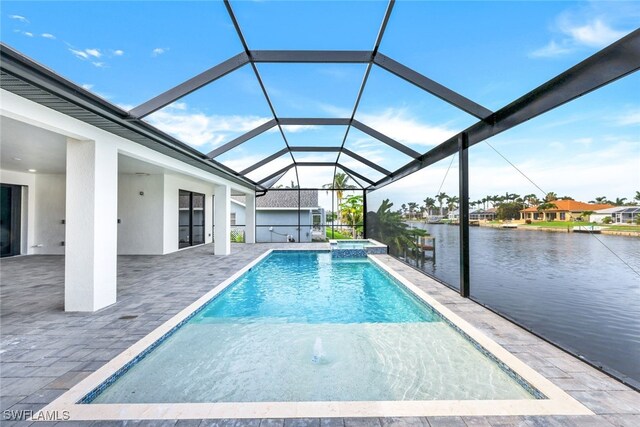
{"x": 443, "y": 203}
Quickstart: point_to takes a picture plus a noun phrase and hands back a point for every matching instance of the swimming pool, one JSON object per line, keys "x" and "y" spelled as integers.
{"x": 302, "y": 326}
{"x": 299, "y": 328}
{"x": 358, "y": 244}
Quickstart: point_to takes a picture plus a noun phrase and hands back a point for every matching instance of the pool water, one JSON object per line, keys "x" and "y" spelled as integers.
{"x": 355, "y": 245}
{"x": 301, "y": 326}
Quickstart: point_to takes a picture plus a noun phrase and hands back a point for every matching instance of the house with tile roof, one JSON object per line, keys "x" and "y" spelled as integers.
{"x": 564, "y": 210}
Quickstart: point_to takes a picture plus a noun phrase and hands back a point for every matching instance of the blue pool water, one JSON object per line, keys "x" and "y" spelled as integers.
{"x": 314, "y": 288}
{"x": 303, "y": 326}
{"x": 357, "y": 244}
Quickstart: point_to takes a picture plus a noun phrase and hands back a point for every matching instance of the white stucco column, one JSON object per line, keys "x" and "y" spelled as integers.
{"x": 250, "y": 218}
{"x": 91, "y": 230}
{"x": 222, "y": 215}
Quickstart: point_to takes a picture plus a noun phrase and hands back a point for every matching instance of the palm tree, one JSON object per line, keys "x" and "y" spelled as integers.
{"x": 403, "y": 209}
{"x": 452, "y": 202}
{"x": 619, "y": 201}
{"x": 531, "y": 199}
{"x": 509, "y": 197}
{"x": 585, "y": 215}
{"x": 497, "y": 199}
{"x": 546, "y": 206}
{"x": 600, "y": 200}
{"x": 441, "y": 197}
{"x": 339, "y": 184}
{"x": 412, "y": 208}
{"x": 429, "y": 203}
{"x": 388, "y": 226}
{"x": 352, "y": 212}
{"x": 637, "y": 196}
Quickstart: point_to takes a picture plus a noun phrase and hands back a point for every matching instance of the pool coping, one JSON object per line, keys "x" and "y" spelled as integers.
{"x": 557, "y": 401}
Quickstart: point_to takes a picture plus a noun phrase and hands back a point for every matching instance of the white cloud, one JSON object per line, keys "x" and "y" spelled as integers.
{"x": 87, "y": 86}
{"x": 48, "y": 36}
{"x": 244, "y": 162}
{"x": 79, "y": 53}
{"x": 159, "y": 51}
{"x": 583, "y": 141}
{"x": 89, "y": 55}
{"x": 118, "y": 52}
{"x": 630, "y": 118}
{"x": 590, "y": 175}
{"x": 595, "y": 33}
{"x": 295, "y": 128}
{"x": 553, "y": 49}
{"x": 401, "y": 126}
{"x": 19, "y": 18}
{"x": 199, "y": 129}
{"x": 179, "y": 106}
{"x": 580, "y": 32}
{"x": 28, "y": 34}
{"x": 94, "y": 52}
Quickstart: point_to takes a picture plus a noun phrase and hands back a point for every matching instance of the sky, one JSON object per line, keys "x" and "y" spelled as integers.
{"x": 490, "y": 52}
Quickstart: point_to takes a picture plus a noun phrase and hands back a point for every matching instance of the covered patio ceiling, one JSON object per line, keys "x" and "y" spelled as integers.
{"x": 290, "y": 157}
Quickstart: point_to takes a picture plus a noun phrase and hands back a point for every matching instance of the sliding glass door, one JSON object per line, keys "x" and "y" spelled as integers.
{"x": 190, "y": 219}
{"x": 10, "y": 207}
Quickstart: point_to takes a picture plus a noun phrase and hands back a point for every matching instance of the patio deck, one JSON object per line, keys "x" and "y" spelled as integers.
{"x": 45, "y": 351}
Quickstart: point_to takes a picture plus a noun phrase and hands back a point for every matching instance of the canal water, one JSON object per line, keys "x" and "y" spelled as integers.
{"x": 568, "y": 287}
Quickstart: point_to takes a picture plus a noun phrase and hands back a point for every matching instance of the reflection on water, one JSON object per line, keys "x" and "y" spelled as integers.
{"x": 567, "y": 287}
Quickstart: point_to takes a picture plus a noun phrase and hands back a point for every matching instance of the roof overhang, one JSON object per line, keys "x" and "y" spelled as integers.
{"x": 24, "y": 77}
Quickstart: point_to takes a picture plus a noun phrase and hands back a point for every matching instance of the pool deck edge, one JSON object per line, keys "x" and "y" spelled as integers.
{"x": 558, "y": 403}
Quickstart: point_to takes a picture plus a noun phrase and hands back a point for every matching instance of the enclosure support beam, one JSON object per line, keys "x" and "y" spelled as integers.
{"x": 312, "y": 56}
{"x": 611, "y": 63}
{"x": 431, "y": 86}
{"x": 265, "y": 161}
{"x": 384, "y": 138}
{"x": 195, "y": 83}
{"x": 463, "y": 212}
{"x": 242, "y": 138}
{"x": 364, "y": 214}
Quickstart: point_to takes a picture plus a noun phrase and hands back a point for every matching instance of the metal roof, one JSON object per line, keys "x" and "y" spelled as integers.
{"x": 33, "y": 81}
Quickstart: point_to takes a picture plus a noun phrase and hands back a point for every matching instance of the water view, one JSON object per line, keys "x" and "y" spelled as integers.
{"x": 570, "y": 288}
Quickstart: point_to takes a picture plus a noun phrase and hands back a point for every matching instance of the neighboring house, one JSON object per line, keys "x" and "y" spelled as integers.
{"x": 628, "y": 214}
{"x": 477, "y": 215}
{"x": 565, "y": 210}
{"x": 277, "y": 216}
{"x": 483, "y": 215}
{"x": 600, "y": 215}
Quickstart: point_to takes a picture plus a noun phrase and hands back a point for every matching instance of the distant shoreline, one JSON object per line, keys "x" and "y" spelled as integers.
{"x": 520, "y": 226}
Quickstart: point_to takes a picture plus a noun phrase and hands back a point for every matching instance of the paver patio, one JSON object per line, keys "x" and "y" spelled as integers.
{"x": 45, "y": 351}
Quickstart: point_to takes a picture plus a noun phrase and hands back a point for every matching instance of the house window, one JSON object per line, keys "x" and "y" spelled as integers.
{"x": 562, "y": 216}
{"x": 233, "y": 218}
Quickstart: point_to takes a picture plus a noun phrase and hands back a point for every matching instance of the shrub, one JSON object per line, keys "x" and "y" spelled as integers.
{"x": 528, "y": 221}
{"x": 607, "y": 220}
